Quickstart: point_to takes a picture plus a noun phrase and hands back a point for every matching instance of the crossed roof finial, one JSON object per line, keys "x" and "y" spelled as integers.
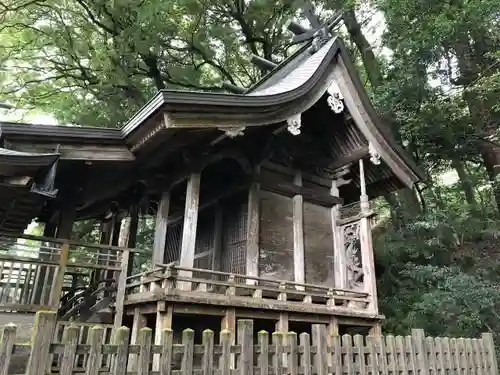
{"x": 319, "y": 33}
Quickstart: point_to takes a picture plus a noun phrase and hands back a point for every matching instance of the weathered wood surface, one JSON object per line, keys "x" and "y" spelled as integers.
{"x": 322, "y": 355}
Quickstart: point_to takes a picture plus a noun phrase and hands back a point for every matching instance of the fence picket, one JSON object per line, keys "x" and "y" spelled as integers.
{"x": 188, "y": 354}
{"x": 382, "y": 354}
{"x": 277, "y": 338}
{"x": 457, "y": 363}
{"x": 144, "y": 340}
{"x": 7, "y": 341}
{"x": 293, "y": 355}
{"x": 43, "y": 333}
{"x": 319, "y": 342}
{"x": 431, "y": 350}
{"x": 401, "y": 355}
{"x": 263, "y": 359}
{"x": 337, "y": 355}
{"x": 166, "y": 351}
{"x": 372, "y": 355}
{"x": 225, "y": 358}
{"x": 448, "y": 361}
{"x": 477, "y": 356}
{"x": 411, "y": 355}
{"x": 471, "y": 357}
{"x": 349, "y": 357}
{"x": 440, "y": 363}
{"x": 95, "y": 355}
{"x": 245, "y": 341}
{"x": 305, "y": 345}
{"x": 208, "y": 352}
{"x": 484, "y": 356}
{"x": 391, "y": 354}
{"x": 360, "y": 358}
{"x": 121, "y": 340}
{"x": 489, "y": 346}
{"x": 70, "y": 341}
{"x": 463, "y": 356}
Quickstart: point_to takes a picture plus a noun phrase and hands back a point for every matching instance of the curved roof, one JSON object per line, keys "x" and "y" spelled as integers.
{"x": 292, "y": 88}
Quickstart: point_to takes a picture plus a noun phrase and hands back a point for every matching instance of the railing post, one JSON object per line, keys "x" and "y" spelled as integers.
{"x": 43, "y": 333}
{"x": 55, "y": 294}
{"x": 7, "y": 340}
{"x": 121, "y": 289}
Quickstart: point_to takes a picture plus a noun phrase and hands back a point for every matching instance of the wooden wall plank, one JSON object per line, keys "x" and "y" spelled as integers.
{"x": 298, "y": 233}
{"x": 253, "y": 231}
{"x": 161, "y": 229}
{"x": 190, "y": 223}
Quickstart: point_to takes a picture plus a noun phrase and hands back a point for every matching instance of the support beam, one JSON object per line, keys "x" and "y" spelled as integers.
{"x": 161, "y": 229}
{"x": 252, "y": 245}
{"x": 310, "y": 194}
{"x": 298, "y": 233}
{"x": 132, "y": 236}
{"x": 190, "y": 223}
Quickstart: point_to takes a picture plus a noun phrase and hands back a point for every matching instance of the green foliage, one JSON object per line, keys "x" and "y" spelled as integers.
{"x": 69, "y": 58}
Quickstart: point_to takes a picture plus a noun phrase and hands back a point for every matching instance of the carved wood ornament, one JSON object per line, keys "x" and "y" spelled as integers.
{"x": 294, "y": 124}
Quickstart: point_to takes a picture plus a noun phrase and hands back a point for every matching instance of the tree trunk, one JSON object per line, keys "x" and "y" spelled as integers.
{"x": 491, "y": 155}
{"x": 465, "y": 183}
{"x": 370, "y": 62}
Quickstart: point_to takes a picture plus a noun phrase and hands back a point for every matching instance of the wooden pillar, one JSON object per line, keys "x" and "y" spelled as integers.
{"x": 252, "y": 245}
{"x": 132, "y": 236}
{"x": 228, "y": 322}
{"x": 105, "y": 236}
{"x": 39, "y": 294}
{"x": 339, "y": 255}
{"x": 124, "y": 236}
{"x": 161, "y": 229}
{"x": 282, "y": 323}
{"x": 116, "y": 224}
{"x": 164, "y": 316}
{"x": 66, "y": 220}
{"x": 190, "y": 223}
{"x": 49, "y": 230}
{"x": 298, "y": 233}
{"x": 366, "y": 244}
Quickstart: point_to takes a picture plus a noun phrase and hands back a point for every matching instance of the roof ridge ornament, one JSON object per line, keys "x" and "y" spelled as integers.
{"x": 294, "y": 124}
{"x": 319, "y": 33}
{"x": 335, "y": 99}
{"x": 374, "y": 155}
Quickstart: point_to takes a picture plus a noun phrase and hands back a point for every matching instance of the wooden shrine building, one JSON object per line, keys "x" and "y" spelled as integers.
{"x": 261, "y": 201}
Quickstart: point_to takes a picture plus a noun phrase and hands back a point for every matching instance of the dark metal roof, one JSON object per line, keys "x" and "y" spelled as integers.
{"x": 57, "y": 132}
{"x": 17, "y": 163}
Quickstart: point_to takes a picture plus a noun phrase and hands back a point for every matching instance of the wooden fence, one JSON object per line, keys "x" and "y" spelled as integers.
{"x": 239, "y": 354}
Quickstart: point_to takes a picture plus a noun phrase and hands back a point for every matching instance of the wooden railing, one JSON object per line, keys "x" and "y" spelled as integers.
{"x": 238, "y": 353}
{"x": 35, "y": 272}
{"x": 169, "y": 277}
